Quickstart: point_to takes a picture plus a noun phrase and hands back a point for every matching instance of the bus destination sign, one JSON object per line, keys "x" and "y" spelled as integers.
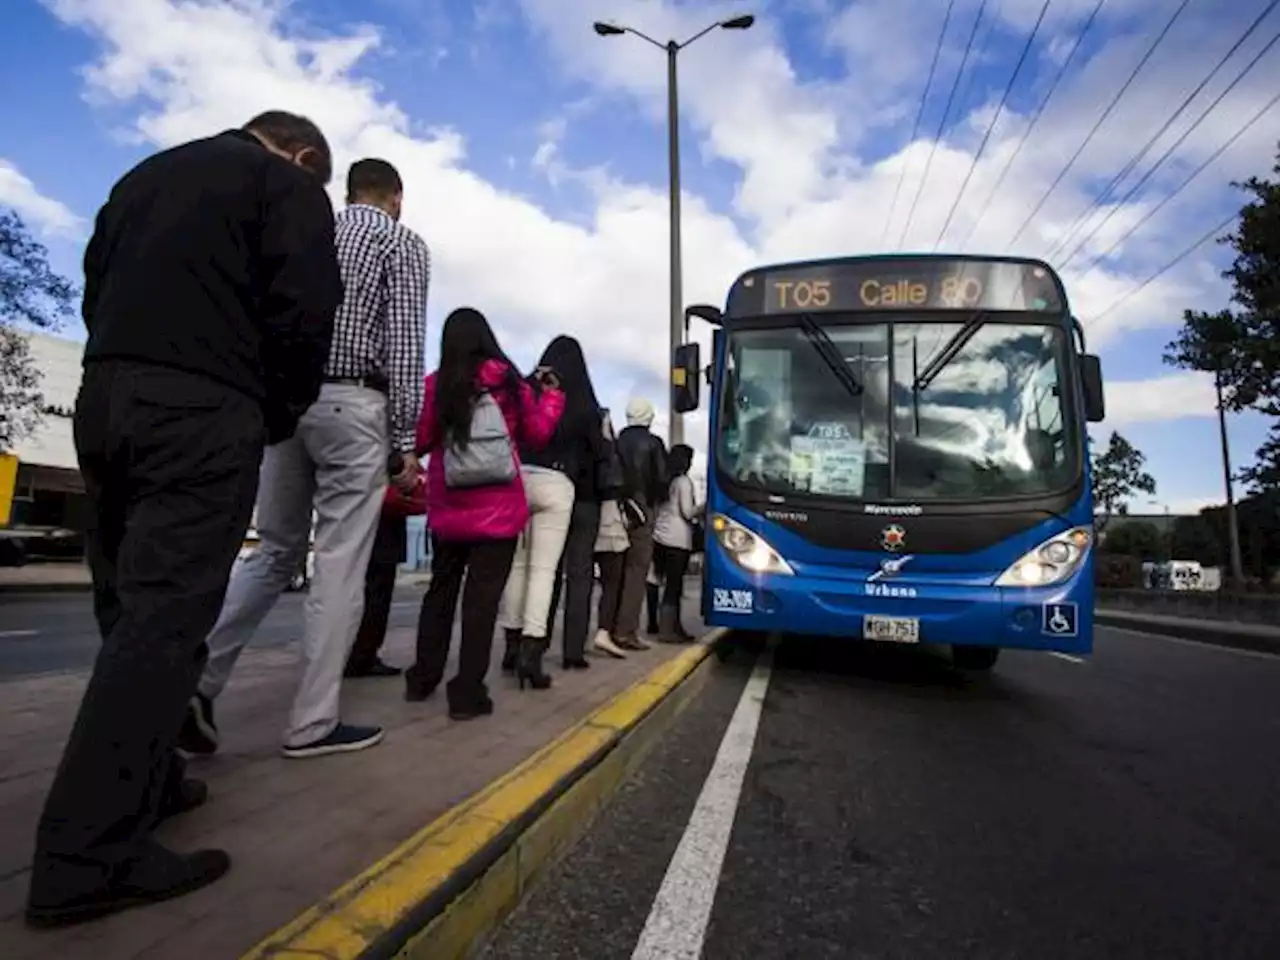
{"x": 891, "y": 284}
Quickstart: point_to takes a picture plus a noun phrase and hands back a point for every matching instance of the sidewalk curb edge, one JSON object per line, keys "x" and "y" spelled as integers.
{"x": 1214, "y": 634}
{"x": 442, "y": 891}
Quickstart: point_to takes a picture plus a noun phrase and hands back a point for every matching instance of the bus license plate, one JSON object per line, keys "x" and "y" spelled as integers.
{"x": 891, "y": 629}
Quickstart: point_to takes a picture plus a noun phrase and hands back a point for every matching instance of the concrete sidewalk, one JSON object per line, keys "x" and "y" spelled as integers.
{"x": 295, "y": 829}
{"x": 1259, "y": 637}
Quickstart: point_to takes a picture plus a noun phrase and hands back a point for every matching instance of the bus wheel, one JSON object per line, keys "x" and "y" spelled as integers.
{"x": 975, "y": 658}
{"x": 751, "y": 642}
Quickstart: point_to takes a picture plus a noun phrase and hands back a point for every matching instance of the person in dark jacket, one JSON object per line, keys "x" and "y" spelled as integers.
{"x": 584, "y": 451}
{"x": 211, "y": 283}
{"x": 551, "y": 479}
{"x": 644, "y": 465}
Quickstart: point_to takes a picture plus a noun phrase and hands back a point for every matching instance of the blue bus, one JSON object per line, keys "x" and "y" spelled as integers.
{"x": 898, "y": 453}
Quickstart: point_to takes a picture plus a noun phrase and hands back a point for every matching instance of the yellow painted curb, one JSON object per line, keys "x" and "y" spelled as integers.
{"x": 381, "y": 911}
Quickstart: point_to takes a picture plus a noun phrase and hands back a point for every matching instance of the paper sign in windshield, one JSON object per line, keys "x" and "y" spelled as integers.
{"x": 829, "y": 466}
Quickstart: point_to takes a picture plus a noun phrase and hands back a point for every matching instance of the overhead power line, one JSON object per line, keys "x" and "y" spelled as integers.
{"x": 1035, "y": 118}
{"x": 1105, "y": 195}
{"x": 1169, "y": 152}
{"x": 1026, "y": 49}
{"x": 942, "y": 125}
{"x": 1182, "y": 186}
{"x": 1101, "y": 120}
{"x": 915, "y": 129}
{"x": 1167, "y": 267}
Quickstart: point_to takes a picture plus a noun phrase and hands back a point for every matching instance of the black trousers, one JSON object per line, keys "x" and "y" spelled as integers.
{"x": 576, "y": 563}
{"x": 671, "y": 563}
{"x": 390, "y": 546}
{"x": 170, "y": 464}
{"x": 612, "y": 568}
{"x": 486, "y": 565}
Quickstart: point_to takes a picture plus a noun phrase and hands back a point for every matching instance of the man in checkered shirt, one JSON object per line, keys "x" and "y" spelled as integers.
{"x": 337, "y": 465}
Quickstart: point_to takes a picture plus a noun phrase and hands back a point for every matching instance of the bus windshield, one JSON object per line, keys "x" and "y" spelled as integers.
{"x": 989, "y": 422}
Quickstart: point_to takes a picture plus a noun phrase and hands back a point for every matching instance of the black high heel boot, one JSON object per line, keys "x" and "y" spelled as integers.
{"x": 651, "y": 591}
{"x": 512, "y": 653}
{"x": 529, "y": 664}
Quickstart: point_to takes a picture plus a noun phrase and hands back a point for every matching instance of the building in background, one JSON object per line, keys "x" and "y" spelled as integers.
{"x": 49, "y": 492}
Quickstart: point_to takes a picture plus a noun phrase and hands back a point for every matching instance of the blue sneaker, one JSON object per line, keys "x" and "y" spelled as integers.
{"x": 344, "y": 739}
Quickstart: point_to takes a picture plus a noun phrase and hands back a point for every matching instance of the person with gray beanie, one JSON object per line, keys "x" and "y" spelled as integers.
{"x": 644, "y": 465}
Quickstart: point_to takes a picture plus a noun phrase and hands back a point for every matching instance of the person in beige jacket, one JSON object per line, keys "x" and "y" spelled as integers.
{"x": 611, "y": 547}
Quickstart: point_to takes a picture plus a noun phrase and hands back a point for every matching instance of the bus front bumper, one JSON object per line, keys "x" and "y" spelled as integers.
{"x": 1058, "y": 618}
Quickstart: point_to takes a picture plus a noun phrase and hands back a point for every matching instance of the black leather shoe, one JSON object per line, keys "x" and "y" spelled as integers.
{"x": 375, "y": 669}
{"x": 158, "y": 874}
{"x": 189, "y": 795}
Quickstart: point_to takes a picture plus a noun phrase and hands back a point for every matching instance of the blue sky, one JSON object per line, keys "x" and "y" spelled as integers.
{"x": 535, "y": 164}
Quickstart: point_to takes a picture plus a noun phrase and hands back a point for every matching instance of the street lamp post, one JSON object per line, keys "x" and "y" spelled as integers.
{"x": 672, "y": 50}
{"x": 1233, "y": 523}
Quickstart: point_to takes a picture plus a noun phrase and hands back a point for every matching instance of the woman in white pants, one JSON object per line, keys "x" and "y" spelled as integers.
{"x": 549, "y": 478}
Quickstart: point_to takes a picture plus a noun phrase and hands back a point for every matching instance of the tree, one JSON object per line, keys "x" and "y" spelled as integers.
{"x": 1117, "y": 476}
{"x": 1136, "y": 539}
{"x": 31, "y": 295}
{"x": 1194, "y": 538}
{"x": 1241, "y": 345}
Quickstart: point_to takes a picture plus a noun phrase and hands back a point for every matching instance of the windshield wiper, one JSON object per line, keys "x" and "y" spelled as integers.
{"x": 949, "y": 351}
{"x": 827, "y": 350}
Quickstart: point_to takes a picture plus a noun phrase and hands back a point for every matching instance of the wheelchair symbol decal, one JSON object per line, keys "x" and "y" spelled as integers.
{"x": 1059, "y": 619}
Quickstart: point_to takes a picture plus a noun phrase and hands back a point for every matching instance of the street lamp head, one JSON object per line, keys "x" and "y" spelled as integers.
{"x": 607, "y": 29}
{"x": 743, "y": 22}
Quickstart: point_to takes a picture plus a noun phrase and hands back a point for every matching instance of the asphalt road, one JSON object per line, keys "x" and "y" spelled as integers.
{"x": 54, "y": 632}
{"x": 890, "y": 807}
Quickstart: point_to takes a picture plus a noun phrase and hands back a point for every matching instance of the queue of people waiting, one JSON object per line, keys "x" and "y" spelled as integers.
{"x": 528, "y": 491}
{"x": 294, "y": 387}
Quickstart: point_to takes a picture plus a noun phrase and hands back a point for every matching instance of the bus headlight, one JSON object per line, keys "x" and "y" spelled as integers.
{"x": 1051, "y": 562}
{"x": 750, "y": 550}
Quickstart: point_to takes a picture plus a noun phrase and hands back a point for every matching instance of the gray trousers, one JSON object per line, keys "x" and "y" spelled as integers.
{"x": 635, "y": 571}
{"x": 336, "y": 466}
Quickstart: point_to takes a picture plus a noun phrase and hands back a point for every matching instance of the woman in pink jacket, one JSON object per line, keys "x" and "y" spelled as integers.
{"x": 476, "y": 506}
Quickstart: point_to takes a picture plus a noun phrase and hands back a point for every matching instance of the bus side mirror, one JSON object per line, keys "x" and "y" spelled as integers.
{"x": 686, "y": 365}
{"x": 703, "y": 311}
{"x": 1095, "y": 404}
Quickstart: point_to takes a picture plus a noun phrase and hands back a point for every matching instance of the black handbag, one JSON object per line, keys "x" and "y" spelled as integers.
{"x": 699, "y": 536}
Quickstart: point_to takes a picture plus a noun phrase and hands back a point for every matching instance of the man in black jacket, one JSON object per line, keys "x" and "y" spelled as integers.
{"x": 211, "y": 282}
{"x": 644, "y": 463}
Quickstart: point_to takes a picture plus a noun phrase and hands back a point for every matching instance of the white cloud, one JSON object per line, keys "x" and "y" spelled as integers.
{"x": 44, "y": 214}
{"x": 188, "y": 67}
{"x": 1171, "y": 397}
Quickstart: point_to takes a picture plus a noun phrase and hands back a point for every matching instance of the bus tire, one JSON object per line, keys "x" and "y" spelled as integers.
{"x": 751, "y": 642}
{"x": 975, "y": 658}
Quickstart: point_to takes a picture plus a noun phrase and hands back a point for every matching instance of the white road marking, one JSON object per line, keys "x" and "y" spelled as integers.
{"x": 18, "y": 633}
{"x": 1259, "y": 654}
{"x": 1066, "y": 656}
{"x": 677, "y": 924}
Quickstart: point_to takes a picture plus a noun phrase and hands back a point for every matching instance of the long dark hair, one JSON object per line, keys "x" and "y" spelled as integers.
{"x": 564, "y": 356}
{"x": 679, "y": 460}
{"x": 466, "y": 341}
